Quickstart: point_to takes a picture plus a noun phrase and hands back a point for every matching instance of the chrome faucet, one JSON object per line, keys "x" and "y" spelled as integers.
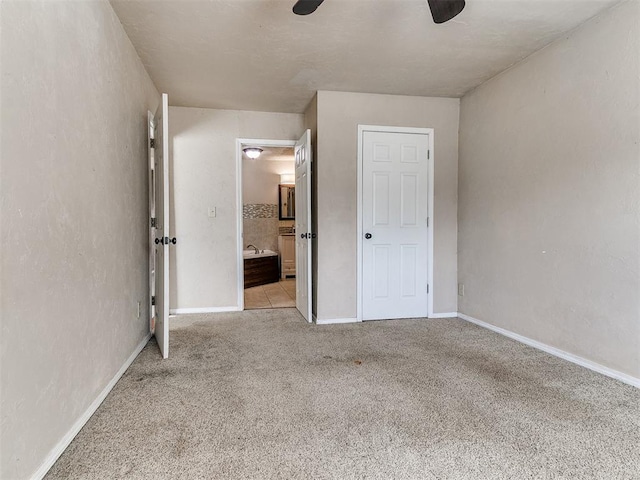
{"x": 254, "y": 247}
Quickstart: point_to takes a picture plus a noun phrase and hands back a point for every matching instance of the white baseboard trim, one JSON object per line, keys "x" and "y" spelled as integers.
{"x": 331, "y": 321}
{"x": 55, "y": 453}
{"x": 583, "y": 362}
{"x": 444, "y": 315}
{"x": 182, "y": 311}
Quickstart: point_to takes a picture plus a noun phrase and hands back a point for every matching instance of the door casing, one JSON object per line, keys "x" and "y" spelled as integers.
{"x": 152, "y": 214}
{"x": 360, "y": 233}
{"x": 240, "y": 144}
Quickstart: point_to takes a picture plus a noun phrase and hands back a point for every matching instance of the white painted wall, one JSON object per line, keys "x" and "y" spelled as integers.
{"x": 339, "y": 114}
{"x": 260, "y": 185}
{"x": 203, "y": 173}
{"x": 74, "y": 218}
{"x": 261, "y": 177}
{"x": 549, "y": 218}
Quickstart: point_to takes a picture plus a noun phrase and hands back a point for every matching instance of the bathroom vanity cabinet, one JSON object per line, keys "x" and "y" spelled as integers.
{"x": 260, "y": 270}
{"x": 287, "y": 247}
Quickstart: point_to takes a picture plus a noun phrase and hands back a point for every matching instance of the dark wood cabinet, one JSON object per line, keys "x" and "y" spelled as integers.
{"x": 260, "y": 271}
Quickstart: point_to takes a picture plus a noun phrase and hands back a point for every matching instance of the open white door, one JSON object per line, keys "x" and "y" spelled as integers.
{"x": 161, "y": 240}
{"x": 303, "y": 226}
{"x": 151, "y": 134}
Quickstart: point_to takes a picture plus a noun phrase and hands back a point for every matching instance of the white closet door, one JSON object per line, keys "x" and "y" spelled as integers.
{"x": 395, "y": 182}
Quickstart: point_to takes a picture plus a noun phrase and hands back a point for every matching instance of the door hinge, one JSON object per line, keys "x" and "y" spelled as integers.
{"x": 152, "y": 142}
{"x": 153, "y": 300}
{"x": 428, "y": 154}
{"x": 153, "y": 221}
{"x": 427, "y": 288}
{"x": 427, "y": 222}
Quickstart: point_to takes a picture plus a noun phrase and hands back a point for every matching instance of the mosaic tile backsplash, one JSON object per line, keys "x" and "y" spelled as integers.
{"x": 261, "y": 232}
{"x": 260, "y": 210}
{"x": 261, "y": 225}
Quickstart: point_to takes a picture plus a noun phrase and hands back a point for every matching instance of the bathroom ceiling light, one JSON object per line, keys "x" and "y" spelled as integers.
{"x": 252, "y": 152}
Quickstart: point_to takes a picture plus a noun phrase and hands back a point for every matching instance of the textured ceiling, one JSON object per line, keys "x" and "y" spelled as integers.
{"x": 258, "y": 55}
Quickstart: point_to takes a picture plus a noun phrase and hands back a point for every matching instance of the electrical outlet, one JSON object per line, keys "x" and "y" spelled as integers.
{"x": 212, "y": 212}
{"x": 461, "y": 289}
{"x": 138, "y": 309}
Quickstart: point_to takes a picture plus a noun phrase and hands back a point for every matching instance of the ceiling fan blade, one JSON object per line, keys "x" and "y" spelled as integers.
{"x": 305, "y": 7}
{"x": 444, "y": 10}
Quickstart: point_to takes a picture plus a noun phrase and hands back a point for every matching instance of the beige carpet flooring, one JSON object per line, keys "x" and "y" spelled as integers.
{"x": 262, "y": 395}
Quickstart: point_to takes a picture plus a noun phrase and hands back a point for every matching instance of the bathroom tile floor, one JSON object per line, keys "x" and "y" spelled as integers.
{"x": 273, "y": 295}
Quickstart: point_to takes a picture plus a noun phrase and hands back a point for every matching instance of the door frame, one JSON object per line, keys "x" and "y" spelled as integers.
{"x": 430, "y": 195}
{"x": 240, "y": 144}
{"x": 152, "y": 212}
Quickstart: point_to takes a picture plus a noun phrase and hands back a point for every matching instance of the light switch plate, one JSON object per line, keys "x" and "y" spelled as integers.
{"x": 212, "y": 212}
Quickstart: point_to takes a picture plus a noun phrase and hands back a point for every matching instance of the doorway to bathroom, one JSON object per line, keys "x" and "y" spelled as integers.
{"x": 268, "y": 224}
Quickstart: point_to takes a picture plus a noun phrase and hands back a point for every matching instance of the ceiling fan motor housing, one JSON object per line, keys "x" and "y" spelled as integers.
{"x": 441, "y": 10}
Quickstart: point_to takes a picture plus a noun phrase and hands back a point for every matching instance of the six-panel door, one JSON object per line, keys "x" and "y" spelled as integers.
{"x": 395, "y": 178}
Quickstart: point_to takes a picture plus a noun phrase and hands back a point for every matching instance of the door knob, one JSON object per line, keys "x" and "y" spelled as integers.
{"x": 367, "y": 236}
{"x": 303, "y": 235}
{"x": 165, "y": 240}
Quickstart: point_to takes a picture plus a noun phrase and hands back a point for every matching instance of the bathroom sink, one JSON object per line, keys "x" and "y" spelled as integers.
{"x": 262, "y": 253}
